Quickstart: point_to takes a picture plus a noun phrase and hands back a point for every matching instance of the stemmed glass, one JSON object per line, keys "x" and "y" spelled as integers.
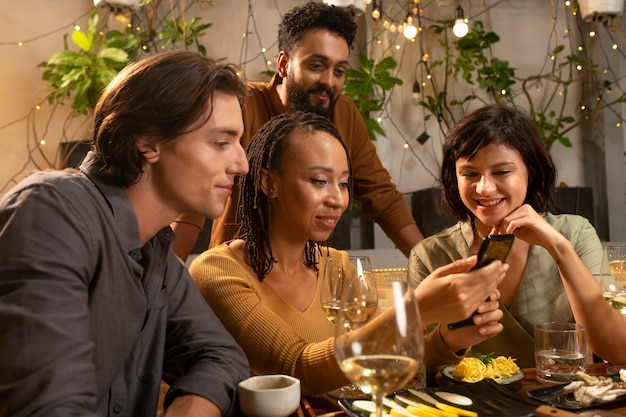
{"x": 613, "y": 276}
{"x": 336, "y": 276}
{"x": 379, "y": 353}
{"x": 334, "y": 279}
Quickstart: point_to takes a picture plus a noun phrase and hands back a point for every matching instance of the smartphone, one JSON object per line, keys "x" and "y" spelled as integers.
{"x": 494, "y": 247}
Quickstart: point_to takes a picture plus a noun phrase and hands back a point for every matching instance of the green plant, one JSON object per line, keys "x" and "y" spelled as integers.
{"x": 367, "y": 87}
{"x": 188, "y": 33}
{"x": 82, "y": 75}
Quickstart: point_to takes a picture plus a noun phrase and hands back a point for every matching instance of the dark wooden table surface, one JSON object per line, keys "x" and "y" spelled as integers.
{"x": 326, "y": 407}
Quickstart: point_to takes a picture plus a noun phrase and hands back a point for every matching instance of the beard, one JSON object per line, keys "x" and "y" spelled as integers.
{"x": 299, "y": 100}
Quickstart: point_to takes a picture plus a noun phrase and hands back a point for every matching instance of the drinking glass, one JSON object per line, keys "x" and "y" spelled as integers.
{"x": 337, "y": 273}
{"x": 560, "y": 351}
{"x": 379, "y": 353}
{"x": 613, "y": 276}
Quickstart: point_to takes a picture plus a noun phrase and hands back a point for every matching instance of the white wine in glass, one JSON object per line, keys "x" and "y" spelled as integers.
{"x": 336, "y": 275}
{"x": 383, "y": 353}
{"x": 613, "y": 276}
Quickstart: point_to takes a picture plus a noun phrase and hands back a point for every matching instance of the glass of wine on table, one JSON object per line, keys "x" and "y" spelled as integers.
{"x": 379, "y": 353}
{"x": 336, "y": 277}
{"x": 613, "y": 276}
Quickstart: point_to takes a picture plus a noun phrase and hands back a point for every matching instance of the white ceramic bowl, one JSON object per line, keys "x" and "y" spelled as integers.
{"x": 269, "y": 395}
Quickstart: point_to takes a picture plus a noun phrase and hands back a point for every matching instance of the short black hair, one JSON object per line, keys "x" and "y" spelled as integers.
{"x": 314, "y": 16}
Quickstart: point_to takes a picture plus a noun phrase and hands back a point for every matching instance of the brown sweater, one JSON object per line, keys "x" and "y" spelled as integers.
{"x": 380, "y": 199}
{"x": 276, "y": 337}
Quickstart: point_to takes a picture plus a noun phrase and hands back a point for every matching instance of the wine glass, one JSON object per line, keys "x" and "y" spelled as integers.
{"x": 335, "y": 276}
{"x": 613, "y": 276}
{"x": 379, "y": 353}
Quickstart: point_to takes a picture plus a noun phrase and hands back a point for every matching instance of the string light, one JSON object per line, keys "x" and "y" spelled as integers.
{"x": 416, "y": 95}
{"x": 410, "y": 28}
{"x": 460, "y": 28}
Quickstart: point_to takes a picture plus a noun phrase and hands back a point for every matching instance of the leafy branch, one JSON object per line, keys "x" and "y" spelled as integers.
{"x": 367, "y": 87}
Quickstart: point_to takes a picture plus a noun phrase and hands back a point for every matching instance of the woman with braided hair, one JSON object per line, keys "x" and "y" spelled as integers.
{"x": 263, "y": 283}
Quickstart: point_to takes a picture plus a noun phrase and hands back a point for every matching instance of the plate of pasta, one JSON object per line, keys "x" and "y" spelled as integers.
{"x": 501, "y": 369}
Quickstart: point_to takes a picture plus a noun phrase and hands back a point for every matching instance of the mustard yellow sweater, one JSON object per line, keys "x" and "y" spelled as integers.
{"x": 276, "y": 337}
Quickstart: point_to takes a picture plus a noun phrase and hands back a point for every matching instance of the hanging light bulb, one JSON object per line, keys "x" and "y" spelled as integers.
{"x": 416, "y": 96}
{"x": 410, "y": 31}
{"x": 460, "y": 27}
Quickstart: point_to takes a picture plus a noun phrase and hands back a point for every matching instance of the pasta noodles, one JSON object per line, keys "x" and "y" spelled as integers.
{"x": 473, "y": 369}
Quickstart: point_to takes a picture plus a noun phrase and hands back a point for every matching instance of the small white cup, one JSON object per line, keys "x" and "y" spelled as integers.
{"x": 560, "y": 351}
{"x": 269, "y": 395}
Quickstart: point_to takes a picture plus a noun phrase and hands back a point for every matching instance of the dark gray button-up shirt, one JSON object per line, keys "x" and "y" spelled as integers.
{"x": 89, "y": 320}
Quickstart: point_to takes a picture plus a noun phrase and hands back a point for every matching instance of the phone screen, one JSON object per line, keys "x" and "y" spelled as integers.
{"x": 494, "y": 247}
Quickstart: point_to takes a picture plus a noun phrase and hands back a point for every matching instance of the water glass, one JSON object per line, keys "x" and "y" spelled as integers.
{"x": 560, "y": 351}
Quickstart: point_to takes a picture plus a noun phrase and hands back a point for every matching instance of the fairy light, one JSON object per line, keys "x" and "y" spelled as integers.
{"x": 618, "y": 124}
{"x": 410, "y": 25}
{"x": 460, "y": 28}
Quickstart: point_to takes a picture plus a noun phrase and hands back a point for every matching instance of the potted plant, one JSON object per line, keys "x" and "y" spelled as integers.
{"x": 80, "y": 71}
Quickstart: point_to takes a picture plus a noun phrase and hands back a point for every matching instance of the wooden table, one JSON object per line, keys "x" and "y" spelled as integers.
{"x": 318, "y": 407}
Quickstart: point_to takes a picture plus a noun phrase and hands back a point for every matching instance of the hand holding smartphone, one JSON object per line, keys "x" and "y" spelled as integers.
{"x": 494, "y": 247}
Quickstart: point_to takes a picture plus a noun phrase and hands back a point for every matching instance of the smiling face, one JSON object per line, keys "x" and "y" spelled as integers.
{"x": 310, "y": 189}
{"x": 492, "y": 184}
{"x": 314, "y": 72}
{"x": 196, "y": 171}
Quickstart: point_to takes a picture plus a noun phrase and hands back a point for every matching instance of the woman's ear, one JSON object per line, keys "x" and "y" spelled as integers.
{"x": 267, "y": 185}
{"x": 149, "y": 150}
